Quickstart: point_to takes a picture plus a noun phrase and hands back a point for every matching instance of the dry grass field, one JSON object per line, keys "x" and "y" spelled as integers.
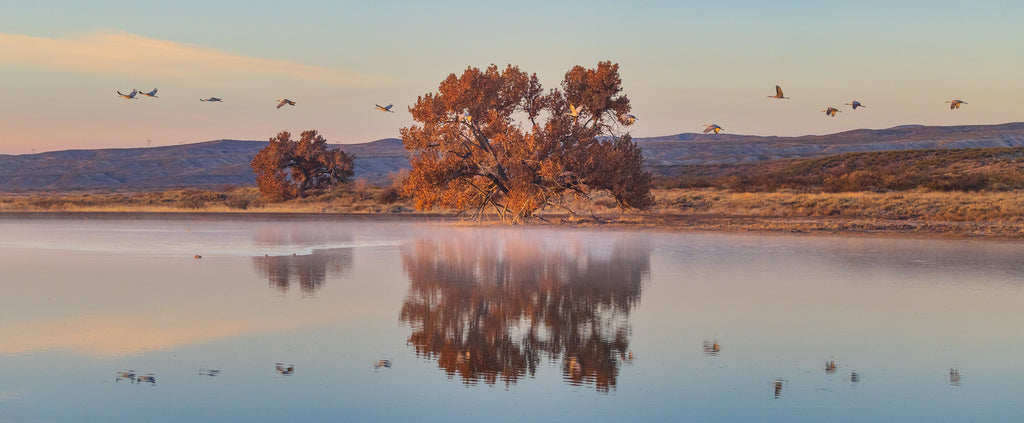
{"x": 920, "y": 211}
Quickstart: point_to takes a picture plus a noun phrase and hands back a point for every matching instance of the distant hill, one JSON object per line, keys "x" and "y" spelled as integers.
{"x": 965, "y": 169}
{"x": 202, "y": 165}
{"x": 226, "y": 162}
{"x": 663, "y": 154}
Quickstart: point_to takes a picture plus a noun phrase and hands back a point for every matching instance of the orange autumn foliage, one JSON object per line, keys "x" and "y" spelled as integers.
{"x": 494, "y": 140}
{"x": 287, "y": 169}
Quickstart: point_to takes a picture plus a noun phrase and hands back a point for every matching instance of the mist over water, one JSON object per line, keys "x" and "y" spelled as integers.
{"x": 296, "y": 320}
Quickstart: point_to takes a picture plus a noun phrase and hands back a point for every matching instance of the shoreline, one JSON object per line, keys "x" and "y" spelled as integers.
{"x": 660, "y": 222}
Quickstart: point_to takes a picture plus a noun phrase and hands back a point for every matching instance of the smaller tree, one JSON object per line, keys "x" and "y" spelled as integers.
{"x": 287, "y": 169}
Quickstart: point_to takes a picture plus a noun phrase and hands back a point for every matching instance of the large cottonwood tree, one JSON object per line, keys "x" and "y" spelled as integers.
{"x": 288, "y": 169}
{"x": 494, "y": 140}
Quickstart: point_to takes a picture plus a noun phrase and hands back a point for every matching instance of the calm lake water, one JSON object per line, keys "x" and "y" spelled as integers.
{"x": 109, "y": 320}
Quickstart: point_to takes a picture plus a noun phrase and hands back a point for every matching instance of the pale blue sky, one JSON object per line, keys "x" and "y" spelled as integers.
{"x": 684, "y": 64}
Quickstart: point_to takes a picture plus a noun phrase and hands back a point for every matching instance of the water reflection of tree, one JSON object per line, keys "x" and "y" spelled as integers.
{"x": 309, "y": 270}
{"x": 489, "y": 308}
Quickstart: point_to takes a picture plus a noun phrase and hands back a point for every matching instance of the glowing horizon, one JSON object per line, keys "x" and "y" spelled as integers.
{"x": 683, "y": 64}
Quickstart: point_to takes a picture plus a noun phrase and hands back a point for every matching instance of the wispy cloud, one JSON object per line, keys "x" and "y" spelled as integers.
{"x": 111, "y": 52}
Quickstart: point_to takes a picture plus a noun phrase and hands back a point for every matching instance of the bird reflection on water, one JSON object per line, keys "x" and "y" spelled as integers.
{"x": 712, "y": 347}
{"x": 284, "y": 370}
{"x": 831, "y": 367}
{"x": 132, "y": 377}
{"x": 128, "y": 375}
{"x": 490, "y": 308}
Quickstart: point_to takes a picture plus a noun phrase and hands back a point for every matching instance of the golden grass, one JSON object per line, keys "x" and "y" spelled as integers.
{"x": 923, "y": 205}
{"x": 917, "y": 211}
{"x": 234, "y": 200}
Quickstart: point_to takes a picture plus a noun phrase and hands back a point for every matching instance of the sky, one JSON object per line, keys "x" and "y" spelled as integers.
{"x": 684, "y": 64}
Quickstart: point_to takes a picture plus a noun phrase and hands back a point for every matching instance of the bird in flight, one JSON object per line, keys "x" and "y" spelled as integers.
{"x": 778, "y": 93}
{"x": 855, "y": 104}
{"x": 149, "y": 94}
{"x": 573, "y": 111}
{"x": 384, "y": 108}
{"x": 128, "y": 96}
{"x": 629, "y": 119}
{"x": 712, "y": 127}
{"x": 955, "y": 104}
{"x": 283, "y": 102}
{"x": 210, "y": 99}
{"x": 831, "y": 111}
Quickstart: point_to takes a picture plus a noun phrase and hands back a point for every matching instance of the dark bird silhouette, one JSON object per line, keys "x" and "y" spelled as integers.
{"x": 712, "y": 127}
{"x": 955, "y": 104}
{"x": 855, "y": 104}
{"x": 778, "y": 93}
